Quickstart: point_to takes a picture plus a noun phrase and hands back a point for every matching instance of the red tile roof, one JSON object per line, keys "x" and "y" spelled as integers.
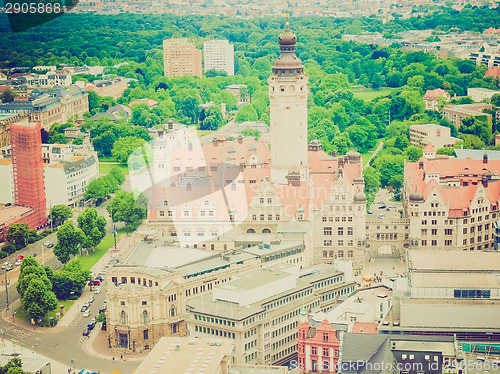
{"x": 365, "y": 327}
{"x": 495, "y": 72}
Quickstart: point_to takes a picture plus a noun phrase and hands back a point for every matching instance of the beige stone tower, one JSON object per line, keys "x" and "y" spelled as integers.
{"x": 288, "y": 112}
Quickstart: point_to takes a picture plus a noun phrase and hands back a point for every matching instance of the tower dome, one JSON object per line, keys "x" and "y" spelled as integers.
{"x": 360, "y": 197}
{"x": 416, "y": 196}
{"x": 287, "y": 64}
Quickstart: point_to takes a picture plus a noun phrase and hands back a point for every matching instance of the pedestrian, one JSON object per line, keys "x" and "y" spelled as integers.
{"x": 121, "y": 356}
{"x": 113, "y": 358}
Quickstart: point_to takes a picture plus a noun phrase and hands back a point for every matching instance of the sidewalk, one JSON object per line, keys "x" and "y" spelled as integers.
{"x": 97, "y": 345}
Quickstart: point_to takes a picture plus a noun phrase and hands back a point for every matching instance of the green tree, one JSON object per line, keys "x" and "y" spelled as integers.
{"x": 59, "y": 214}
{"x": 117, "y": 174}
{"x": 93, "y": 227}
{"x": 78, "y": 141}
{"x": 341, "y": 142}
{"x": 69, "y": 239}
{"x": 96, "y": 189}
{"x": 18, "y": 233}
{"x": 70, "y": 280}
{"x": 213, "y": 118}
{"x": 7, "y": 95}
{"x": 372, "y": 180}
{"x": 38, "y": 299}
{"x": 125, "y": 208}
{"x": 247, "y": 113}
{"x": 125, "y": 146}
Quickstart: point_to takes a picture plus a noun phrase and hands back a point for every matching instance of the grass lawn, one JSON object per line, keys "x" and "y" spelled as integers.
{"x": 368, "y": 94}
{"x": 21, "y": 313}
{"x": 366, "y": 156}
{"x": 203, "y": 132}
{"x": 105, "y": 168}
{"x": 90, "y": 260}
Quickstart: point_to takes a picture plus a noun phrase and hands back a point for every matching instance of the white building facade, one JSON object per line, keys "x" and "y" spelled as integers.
{"x": 219, "y": 55}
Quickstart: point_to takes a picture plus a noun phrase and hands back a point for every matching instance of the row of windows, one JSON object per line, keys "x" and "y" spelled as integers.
{"x": 216, "y": 332}
{"x": 284, "y": 353}
{"x": 340, "y": 231}
{"x": 472, "y": 294}
{"x": 132, "y": 280}
{"x": 251, "y": 344}
{"x": 328, "y": 282}
{"x": 204, "y": 287}
{"x": 262, "y": 217}
{"x": 251, "y": 332}
{"x": 339, "y": 254}
{"x": 283, "y": 255}
{"x": 285, "y": 329}
{"x": 337, "y": 219}
{"x": 284, "y": 341}
{"x": 288, "y": 299}
{"x": 219, "y": 321}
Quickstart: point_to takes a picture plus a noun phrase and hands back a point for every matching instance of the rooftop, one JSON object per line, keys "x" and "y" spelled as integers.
{"x": 10, "y": 213}
{"x": 157, "y": 256}
{"x": 453, "y": 261}
{"x": 450, "y": 280}
{"x": 180, "y": 355}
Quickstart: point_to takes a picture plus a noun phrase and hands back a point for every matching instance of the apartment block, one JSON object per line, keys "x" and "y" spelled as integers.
{"x": 455, "y": 113}
{"x": 181, "y": 58}
{"x": 435, "y": 135}
{"x": 219, "y": 55}
{"x": 479, "y": 94}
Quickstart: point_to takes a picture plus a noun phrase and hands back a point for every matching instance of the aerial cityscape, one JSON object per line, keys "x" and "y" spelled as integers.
{"x": 248, "y": 187}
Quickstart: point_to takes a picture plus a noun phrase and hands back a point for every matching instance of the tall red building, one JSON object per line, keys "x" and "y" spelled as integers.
{"x": 27, "y": 167}
{"x": 318, "y": 348}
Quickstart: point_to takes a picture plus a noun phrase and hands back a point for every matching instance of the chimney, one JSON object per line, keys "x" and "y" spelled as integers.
{"x": 240, "y": 139}
{"x": 420, "y": 164}
{"x": 215, "y": 141}
{"x": 334, "y": 153}
{"x": 485, "y": 158}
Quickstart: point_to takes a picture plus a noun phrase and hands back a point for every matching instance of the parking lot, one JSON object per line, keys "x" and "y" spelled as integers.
{"x": 383, "y": 207}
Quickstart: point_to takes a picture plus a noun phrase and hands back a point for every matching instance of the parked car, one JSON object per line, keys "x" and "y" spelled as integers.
{"x": 382, "y": 207}
{"x": 48, "y": 244}
{"x": 9, "y": 267}
{"x": 87, "y": 304}
{"x": 5, "y": 264}
{"x": 20, "y": 257}
{"x": 86, "y": 332}
{"x": 91, "y": 299}
{"x": 380, "y": 216}
{"x": 103, "y": 308}
{"x": 86, "y": 313}
{"x": 84, "y": 308}
{"x": 99, "y": 278}
{"x": 91, "y": 326}
{"x": 392, "y": 206}
{"x": 18, "y": 262}
{"x": 97, "y": 291}
{"x": 95, "y": 283}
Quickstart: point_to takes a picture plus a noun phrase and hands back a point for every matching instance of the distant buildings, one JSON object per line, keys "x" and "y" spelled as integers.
{"x": 451, "y": 203}
{"x": 219, "y": 55}
{"x": 240, "y": 91}
{"x": 447, "y": 293}
{"x": 181, "y": 58}
{"x": 67, "y": 171}
{"x": 478, "y": 94}
{"x": 50, "y": 106}
{"x": 435, "y": 135}
{"x": 431, "y": 96}
{"x": 113, "y": 87}
{"x": 489, "y": 58}
{"x": 114, "y": 113}
{"x": 493, "y": 72}
{"x": 149, "y": 102}
{"x": 455, "y": 113}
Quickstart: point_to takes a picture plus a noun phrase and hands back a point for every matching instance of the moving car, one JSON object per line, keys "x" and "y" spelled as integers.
{"x": 86, "y": 313}
{"x": 48, "y": 244}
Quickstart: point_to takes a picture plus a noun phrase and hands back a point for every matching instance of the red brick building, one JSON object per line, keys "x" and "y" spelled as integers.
{"x": 318, "y": 347}
{"x": 27, "y": 165}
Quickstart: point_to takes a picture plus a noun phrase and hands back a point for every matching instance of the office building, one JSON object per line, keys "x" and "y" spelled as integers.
{"x": 435, "y": 135}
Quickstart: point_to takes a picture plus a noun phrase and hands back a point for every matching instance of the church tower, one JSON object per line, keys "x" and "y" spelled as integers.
{"x": 288, "y": 114}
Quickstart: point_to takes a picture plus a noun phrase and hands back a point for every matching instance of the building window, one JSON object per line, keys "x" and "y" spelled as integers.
{"x": 325, "y": 339}
{"x": 434, "y": 232}
{"x": 123, "y": 317}
{"x": 314, "y": 351}
{"x": 145, "y": 318}
{"x": 145, "y": 334}
{"x": 448, "y": 232}
{"x": 340, "y": 231}
{"x": 327, "y": 231}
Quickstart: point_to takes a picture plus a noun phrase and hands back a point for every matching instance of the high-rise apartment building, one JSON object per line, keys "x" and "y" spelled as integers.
{"x": 181, "y": 58}
{"x": 219, "y": 55}
{"x": 27, "y": 165}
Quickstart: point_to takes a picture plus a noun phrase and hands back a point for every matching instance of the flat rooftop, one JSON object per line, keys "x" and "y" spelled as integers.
{"x": 13, "y": 212}
{"x": 449, "y": 280}
{"x": 155, "y": 255}
{"x": 186, "y": 355}
{"x": 258, "y": 278}
{"x": 452, "y": 260}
